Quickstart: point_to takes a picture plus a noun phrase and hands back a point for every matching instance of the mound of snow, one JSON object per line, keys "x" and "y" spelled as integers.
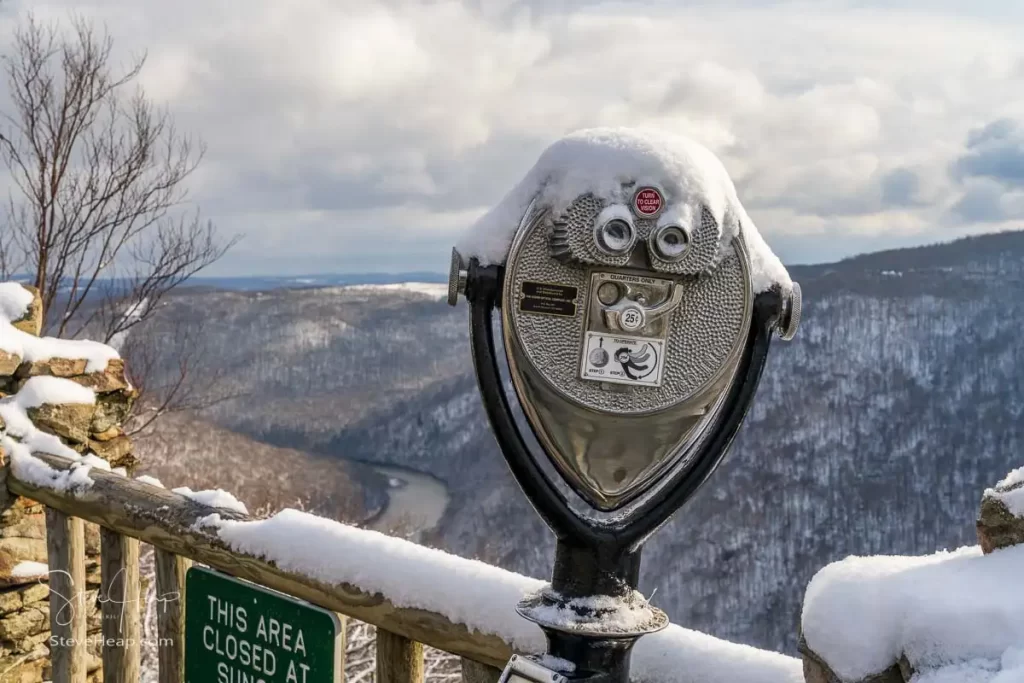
{"x": 217, "y": 498}
{"x": 599, "y": 161}
{"x": 14, "y": 301}
{"x": 38, "y": 349}
{"x": 952, "y": 611}
{"x": 53, "y": 390}
{"x": 1011, "y": 492}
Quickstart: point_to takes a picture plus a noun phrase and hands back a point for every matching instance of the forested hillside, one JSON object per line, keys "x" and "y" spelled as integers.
{"x": 875, "y": 431}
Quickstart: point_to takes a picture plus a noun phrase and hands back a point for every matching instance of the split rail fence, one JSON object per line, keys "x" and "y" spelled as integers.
{"x": 128, "y": 512}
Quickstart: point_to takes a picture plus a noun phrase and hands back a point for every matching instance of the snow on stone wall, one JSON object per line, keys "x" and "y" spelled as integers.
{"x": 951, "y": 617}
{"x": 64, "y": 397}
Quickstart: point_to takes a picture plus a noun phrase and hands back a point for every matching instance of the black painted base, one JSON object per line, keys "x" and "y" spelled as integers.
{"x": 592, "y": 614}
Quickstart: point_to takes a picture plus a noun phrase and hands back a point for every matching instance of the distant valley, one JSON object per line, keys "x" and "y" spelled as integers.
{"x": 875, "y": 431}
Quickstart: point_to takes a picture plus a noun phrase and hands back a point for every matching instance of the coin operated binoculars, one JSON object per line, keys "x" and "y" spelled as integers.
{"x": 634, "y": 341}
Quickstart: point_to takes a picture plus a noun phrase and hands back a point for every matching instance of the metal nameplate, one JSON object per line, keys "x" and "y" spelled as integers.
{"x": 548, "y": 298}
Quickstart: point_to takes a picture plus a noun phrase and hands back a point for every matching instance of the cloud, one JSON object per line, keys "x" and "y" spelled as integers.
{"x": 900, "y": 187}
{"x": 982, "y": 202}
{"x": 367, "y": 134}
{"x": 994, "y": 151}
{"x": 987, "y": 201}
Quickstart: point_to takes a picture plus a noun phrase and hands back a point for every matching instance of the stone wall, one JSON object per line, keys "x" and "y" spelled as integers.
{"x": 1000, "y": 526}
{"x": 84, "y": 428}
{"x": 1001, "y": 520}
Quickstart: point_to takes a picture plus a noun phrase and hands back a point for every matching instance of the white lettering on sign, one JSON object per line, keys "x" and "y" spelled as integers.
{"x": 639, "y": 361}
{"x": 272, "y": 631}
{"x": 293, "y": 676}
{"x": 248, "y": 654}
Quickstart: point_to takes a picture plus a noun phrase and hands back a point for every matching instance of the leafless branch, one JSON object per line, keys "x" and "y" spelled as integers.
{"x": 191, "y": 379}
{"x": 97, "y": 215}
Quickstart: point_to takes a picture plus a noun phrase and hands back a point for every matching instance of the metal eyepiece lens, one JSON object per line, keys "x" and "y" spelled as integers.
{"x": 670, "y": 242}
{"x": 616, "y": 237}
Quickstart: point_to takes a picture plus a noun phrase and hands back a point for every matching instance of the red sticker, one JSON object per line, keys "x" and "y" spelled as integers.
{"x": 647, "y": 201}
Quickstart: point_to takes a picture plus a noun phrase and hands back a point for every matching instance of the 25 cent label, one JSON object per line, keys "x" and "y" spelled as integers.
{"x": 622, "y": 359}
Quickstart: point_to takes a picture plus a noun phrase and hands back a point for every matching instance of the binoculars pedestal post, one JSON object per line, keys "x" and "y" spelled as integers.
{"x": 592, "y": 615}
{"x": 637, "y": 305}
{"x": 669, "y": 363}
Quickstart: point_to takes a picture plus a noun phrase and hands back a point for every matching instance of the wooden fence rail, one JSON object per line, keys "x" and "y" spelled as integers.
{"x": 128, "y": 512}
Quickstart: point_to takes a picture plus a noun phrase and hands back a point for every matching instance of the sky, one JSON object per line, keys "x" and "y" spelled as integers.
{"x": 365, "y": 136}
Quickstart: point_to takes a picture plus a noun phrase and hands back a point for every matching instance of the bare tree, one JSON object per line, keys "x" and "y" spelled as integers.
{"x": 170, "y": 377}
{"x": 98, "y": 215}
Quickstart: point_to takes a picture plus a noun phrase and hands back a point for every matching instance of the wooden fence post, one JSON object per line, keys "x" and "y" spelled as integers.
{"x": 477, "y": 672}
{"x": 170, "y": 615}
{"x": 119, "y": 596}
{"x": 399, "y": 660}
{"x": 65, "y": 549}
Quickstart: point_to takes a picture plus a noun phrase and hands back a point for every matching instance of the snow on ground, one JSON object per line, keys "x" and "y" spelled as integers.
{"x": 431, "y": 289}
{"x": 1011, "y": 492}
{"x": 599, "y": 161}
{"x": 476, "y": 594}
{"x": 218, "y": 498}
{"x": 952, "y": 611}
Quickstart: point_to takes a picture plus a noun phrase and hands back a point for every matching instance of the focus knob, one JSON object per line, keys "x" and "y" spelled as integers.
{"x": 457, "y": 277}
{"x": 789, "y": 321}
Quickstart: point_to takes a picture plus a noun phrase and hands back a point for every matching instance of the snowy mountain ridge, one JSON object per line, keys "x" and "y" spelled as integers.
{"x": 874, "y": 432}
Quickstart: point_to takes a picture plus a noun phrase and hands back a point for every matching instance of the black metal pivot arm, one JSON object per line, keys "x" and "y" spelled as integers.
{"x": 619, "y": 538}
{"x": 482, "y": 290}
{"x": 653, "y": 513}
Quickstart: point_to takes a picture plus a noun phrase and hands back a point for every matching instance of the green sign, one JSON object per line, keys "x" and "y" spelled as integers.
{"x": 238, "y": 632}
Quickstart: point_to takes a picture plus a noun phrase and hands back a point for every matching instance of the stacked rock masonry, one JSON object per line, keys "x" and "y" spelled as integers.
{"x": 1001, "y": 521}
{"x": 86, "y": 428}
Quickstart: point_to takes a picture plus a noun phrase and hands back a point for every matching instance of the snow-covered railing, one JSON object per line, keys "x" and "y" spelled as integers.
{"x": 68, "y": 464}
{"x": 414, "y": 595}
{"x": 182, "y": 530}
